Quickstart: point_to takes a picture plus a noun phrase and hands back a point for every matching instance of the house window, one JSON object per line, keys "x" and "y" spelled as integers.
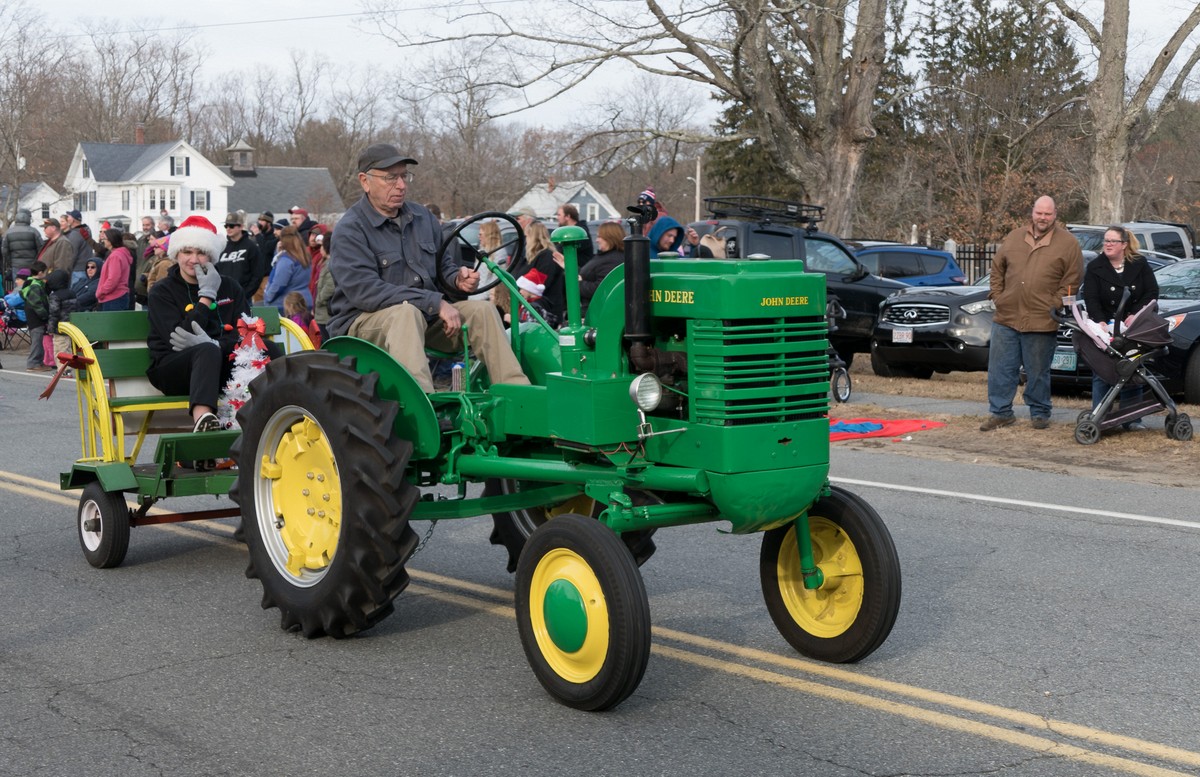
{"x": 86, "y": 170}
{"x": 200, "y": 199}
{"x": 125, "y": 199}
{"x": 153, "y": 200}
{"x": 181, "y": 165}
{"x": 84, "y": 201}
{"x": 593, "y": 211}
{"x": 243, "y": 158}
{"x": 45, "y": 210}
{"x": 171, "y": 192}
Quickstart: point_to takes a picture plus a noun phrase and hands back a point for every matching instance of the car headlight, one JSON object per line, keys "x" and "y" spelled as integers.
{"x": 646, "y": 391}
{"x": 982, "y": 306}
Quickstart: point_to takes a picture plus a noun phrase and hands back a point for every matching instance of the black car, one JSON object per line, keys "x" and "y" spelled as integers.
{"x": 765, "y": 228}
{"x": 923, "y": 330}
{"x": 1179, "y": 367}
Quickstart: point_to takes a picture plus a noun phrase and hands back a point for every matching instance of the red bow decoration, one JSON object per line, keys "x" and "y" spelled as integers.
{"x": 251, "y": 333}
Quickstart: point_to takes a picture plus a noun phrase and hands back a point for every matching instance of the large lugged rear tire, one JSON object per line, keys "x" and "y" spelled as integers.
{"x": 324, "y": 500}
{"x": 853, "y": 611}
{"x": 582, "y": 613}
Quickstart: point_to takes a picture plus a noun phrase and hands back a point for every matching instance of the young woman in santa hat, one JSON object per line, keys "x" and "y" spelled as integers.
{"x": 194, "y": 313}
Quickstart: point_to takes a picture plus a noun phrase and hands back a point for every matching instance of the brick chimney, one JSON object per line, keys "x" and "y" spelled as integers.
{"x": 139, "y": 134}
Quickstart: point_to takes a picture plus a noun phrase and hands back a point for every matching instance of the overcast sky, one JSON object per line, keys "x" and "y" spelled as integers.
{"x": 242, "y": 34}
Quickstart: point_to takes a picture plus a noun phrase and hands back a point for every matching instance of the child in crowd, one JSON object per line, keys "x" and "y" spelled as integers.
{"x": 37, "y": 311}
{"x": 62, "y": 305}
{"x": 295, "y": 307}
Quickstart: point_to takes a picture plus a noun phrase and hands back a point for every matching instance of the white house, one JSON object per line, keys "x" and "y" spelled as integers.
{"x": 125, "y": 181}
{"x": 38, "y": 197}
{"x": 544, "y": 199}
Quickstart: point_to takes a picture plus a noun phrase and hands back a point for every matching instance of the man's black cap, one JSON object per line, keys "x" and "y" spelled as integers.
{"x": 379, "y": 156}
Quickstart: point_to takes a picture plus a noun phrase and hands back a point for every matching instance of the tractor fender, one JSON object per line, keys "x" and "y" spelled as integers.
{"x": 416, "y": 421}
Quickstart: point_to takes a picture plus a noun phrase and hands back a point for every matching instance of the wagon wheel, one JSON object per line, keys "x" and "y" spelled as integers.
{"x": 512, "y": 529}
{"x": 582, "y": 613}
{"x": 103, "y": 524}
{"x": 852, "y": 612}
{"x": 324, "y": 500}
{"x": 1087, "y": 432}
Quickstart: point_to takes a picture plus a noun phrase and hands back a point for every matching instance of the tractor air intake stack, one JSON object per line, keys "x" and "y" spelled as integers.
{"x": 637, "y": 300}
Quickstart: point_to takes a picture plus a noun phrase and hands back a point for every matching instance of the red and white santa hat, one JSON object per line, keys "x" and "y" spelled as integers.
{"x": 196, "y": 232}
{"x": 533, "y": 282}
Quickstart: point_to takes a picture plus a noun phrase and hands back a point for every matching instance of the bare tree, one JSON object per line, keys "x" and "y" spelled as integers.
{"x": 806, "y": 70}
{"x": 1123, "y": 123}
{"x": 28, "y": 61}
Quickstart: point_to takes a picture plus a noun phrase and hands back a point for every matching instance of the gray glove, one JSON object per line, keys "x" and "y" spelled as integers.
{"x": 182, "y": 339}
{"x": 210, "y": 280}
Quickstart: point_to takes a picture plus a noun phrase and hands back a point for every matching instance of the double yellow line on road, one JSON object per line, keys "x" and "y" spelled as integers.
{"x": 815, "y": 679}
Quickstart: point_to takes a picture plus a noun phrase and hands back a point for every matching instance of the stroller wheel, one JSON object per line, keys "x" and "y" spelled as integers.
{"x": 1087, "y": 432}
{"x": 839, "y": 384}
{"x": 1181, "y": 429}
{"x": 1086, "y": 415}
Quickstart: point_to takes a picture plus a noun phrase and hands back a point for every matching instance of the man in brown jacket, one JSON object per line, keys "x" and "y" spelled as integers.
{"x": 1035, "y": 267}
{"x": 57, "y": 253}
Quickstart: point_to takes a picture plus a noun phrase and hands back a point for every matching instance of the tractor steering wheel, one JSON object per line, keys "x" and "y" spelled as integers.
{"x": 516, "y": 259}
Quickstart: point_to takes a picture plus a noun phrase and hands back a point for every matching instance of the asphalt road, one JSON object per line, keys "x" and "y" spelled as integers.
{"x": 1051, "y": 636}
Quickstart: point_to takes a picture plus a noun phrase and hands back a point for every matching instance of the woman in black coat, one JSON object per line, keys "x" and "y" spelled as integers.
{"x": 610, "y": 239}
{"x": 1118, "y": 267}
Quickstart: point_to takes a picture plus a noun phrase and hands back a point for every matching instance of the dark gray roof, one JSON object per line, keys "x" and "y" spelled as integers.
{"x": 24, "y": 191}
{"x": 278, "y": 188}
{"x": 122, "y": 161}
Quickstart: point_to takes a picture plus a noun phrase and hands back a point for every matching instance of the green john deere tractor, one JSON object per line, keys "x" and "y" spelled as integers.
{"x": 693, "y": 391}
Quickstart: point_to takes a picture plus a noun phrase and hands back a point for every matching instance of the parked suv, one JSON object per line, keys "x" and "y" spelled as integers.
{"x": 912, "y": 265}
{"x": 765, "y": 228}
{"x": 1178, "y": 240}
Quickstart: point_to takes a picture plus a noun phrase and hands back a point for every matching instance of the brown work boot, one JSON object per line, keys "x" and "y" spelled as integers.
{"x": 1040, "y": 423}
{"x": 996, "y": 421}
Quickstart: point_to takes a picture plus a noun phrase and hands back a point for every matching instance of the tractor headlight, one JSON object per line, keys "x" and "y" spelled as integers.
{"x": 646, "y": 391}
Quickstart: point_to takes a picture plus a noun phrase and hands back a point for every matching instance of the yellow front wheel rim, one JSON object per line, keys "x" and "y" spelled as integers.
{"x": 569, "y": 615}
{"x": 833, "y": 608}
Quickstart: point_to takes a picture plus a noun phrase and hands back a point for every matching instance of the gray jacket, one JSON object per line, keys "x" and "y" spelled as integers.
{"x": 379, "y": 262}
{"x": 21, "y": 243}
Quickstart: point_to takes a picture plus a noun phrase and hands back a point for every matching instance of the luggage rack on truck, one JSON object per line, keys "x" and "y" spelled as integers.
{"x": 765, "y": 209}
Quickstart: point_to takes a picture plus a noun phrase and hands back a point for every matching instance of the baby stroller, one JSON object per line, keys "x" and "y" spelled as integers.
{"x": 1120, "y": 360}
{"x": 839, "y": 376}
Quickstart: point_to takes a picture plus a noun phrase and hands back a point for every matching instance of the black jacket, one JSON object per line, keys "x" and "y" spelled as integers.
{"x": 595, "y": 272}
{"x": 1102, "y": 287}
{"x": 20, "y": 245}
{"x": 241, "y": 261}
{"x": 168, "y": 305}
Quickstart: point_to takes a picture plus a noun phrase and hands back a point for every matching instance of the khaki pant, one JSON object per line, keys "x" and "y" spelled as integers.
{"x": 402, "y": 331}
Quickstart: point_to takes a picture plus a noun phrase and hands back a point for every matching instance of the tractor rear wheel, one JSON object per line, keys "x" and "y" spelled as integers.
{"x": 582, "y": 613}
{"x": 854, "y": 609}
{"x": 324, "y": 500}
{"x": 103, "y": 524}
{"x": 512, "y": 529}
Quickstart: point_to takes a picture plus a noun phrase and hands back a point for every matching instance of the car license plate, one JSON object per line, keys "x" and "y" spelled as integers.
{"x": 1063, "y": 361}
{"x": 902, "y": 335}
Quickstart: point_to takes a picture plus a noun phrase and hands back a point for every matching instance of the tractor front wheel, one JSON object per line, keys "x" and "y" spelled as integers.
{"x": 103, "y": 523}
{"x": 852, "y": 612}
{"x": 325, "y": 503}
{"x": 582, "y": 613}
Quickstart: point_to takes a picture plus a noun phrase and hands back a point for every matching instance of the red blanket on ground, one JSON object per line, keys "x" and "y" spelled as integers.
{"x": 852, "y": 428}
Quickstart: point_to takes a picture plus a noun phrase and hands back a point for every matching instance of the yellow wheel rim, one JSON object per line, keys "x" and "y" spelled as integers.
{"x": 300, "y": 496}
{"x": 569, "y": 615}
{"x": 831, "y": 609}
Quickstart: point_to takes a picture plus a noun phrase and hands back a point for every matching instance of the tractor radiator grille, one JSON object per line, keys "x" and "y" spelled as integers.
{"x": 758, "y": 371}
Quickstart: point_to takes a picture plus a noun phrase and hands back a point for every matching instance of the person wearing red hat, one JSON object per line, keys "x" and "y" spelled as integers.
{"x": 300, "y": 220}
{"x": 193, "y": 314}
